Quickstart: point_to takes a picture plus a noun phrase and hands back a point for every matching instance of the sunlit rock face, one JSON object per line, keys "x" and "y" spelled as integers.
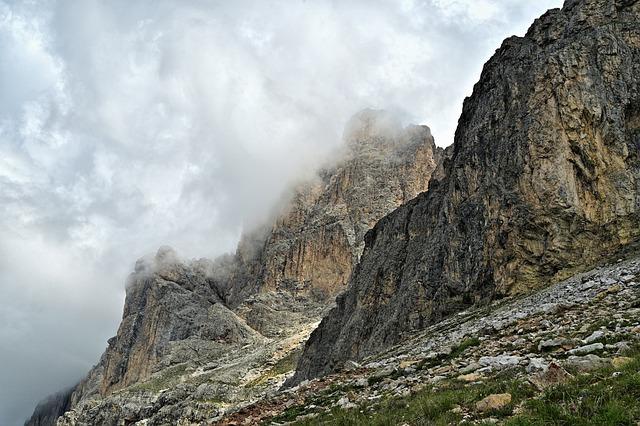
{"x": 543, "y": 182}
{"x": 318, "y": 235}
{"x": 213, "y": 330}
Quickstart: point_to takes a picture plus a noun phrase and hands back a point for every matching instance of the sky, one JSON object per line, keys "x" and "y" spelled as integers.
{"x": 127, "y": 125}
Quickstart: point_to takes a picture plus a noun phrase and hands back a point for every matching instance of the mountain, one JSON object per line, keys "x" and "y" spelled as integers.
{"x": 199, "y": 337}
{"x": 515, "y": 272}
{"x": 543, "y": 183}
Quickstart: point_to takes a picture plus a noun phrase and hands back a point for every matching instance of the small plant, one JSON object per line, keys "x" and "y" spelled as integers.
{"x": 463, "y": 346}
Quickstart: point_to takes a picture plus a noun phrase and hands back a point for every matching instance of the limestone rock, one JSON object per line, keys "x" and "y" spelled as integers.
{"x": 315, "y": 240}
{"x": 493, "y": 402}
{"x": 553, "y": 375}
{"x": 587, "y": 349}
{"x": 584, "y": 364}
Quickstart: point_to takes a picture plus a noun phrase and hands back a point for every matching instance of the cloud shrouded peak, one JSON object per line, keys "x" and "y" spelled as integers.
{"x": 128, "y": 125}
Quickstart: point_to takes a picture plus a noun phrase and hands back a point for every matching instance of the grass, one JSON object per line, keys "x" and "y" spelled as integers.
{"x": 455, "y": 352}
{"x": 604, "y": 397}
{"x": 601, "y": 398}
{"x": 283, "y": 365}
{"x": 167, "y": 378}
{"x": 426, "y": 407}
{"x": 463, "y": 346}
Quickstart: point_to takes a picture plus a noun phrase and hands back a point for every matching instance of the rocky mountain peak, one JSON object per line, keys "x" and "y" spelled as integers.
{"x": 543, "y": 182}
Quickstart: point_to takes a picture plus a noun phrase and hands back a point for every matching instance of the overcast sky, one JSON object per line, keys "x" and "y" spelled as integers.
{"x": 125, "y": 125}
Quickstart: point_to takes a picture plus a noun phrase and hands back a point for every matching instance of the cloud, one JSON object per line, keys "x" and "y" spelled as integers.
{"x": 128, "y": 125}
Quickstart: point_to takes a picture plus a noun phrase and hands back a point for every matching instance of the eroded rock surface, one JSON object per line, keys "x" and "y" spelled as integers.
{"x": 318, "y": 236}
{"x": 543, "y": 182}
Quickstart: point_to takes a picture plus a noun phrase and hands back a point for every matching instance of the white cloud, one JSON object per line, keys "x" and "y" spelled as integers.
{"x": 128, "y": 125}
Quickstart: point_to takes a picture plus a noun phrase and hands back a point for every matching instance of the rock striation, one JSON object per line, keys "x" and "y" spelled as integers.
{"x": 199, "y": 336}
{"x": 543, "y": 182}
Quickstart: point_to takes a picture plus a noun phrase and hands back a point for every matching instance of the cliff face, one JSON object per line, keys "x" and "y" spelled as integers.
{"x": 317, "y": 238}
{"x": 47, "y": 411}
{"x": 543, "y": 182}
{"x": 227, "y": 330}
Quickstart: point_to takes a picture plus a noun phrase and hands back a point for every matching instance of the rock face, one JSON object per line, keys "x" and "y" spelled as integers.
{"x": 171, "y": 308}
{"x": 314, "y": 242}
{"x": 543, "y": 182}
{"x": 48, "y": 411}
{"x": 201, "y": 335}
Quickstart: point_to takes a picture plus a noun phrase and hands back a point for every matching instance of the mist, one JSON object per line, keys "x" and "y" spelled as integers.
{"x": 125, "y": 126}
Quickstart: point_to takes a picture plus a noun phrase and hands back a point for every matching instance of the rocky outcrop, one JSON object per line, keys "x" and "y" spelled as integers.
{"x": 543, "y": 182}
{"x": 313, "y": 243}
{"x": 199, "y": 336}
{"x": 172, "y": 311}
{"x": 48, "y": 411}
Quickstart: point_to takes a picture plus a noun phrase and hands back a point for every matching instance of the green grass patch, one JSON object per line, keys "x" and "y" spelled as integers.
{"x": 604, "y": 397}
{"x": 600, "y": 398}
{"x": 427, "y": 407}
{"x": 463, "y": 346}
{"x": 283, "y": 365}
{"x": 165, "y": 379}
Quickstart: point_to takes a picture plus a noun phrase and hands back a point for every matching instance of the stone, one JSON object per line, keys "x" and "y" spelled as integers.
{"x": 621, "y": 361}
{"x": 493, "y": 402}
{"x": 537, "y": 364}
{"x": 470, "y": 368}
{"x": 595, "y": 336}
{"x": 500, "y": 362}
{"x": 553, "y": 375}
{"x": 585, "y": 364}
{"x": 557, "y": 343}
{"x": 345, "y": 403}
{"x": 436, "y": 379}
{"x": 587, "y": 349}
{"x": 408, "y": 363}
{"x": 469, "y": 378}
{"x": 362, "y": 382}
{"x": 351, "y": 365}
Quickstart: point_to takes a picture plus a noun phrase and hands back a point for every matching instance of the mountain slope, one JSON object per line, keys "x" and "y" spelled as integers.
{"x": 542, "y": 183}
{"x": 566, "y": 354}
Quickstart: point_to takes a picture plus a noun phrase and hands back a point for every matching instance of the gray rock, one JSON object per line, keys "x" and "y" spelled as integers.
{"x": 587, "y": 349}
{"x": 536, "y": 365}
{"x": 550, "y": 344}
{"x": 500, "y": 362}
{"x": 470, "y": 368}
{"x": 595, "y": 337}
{"x": 586, "y": 363}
